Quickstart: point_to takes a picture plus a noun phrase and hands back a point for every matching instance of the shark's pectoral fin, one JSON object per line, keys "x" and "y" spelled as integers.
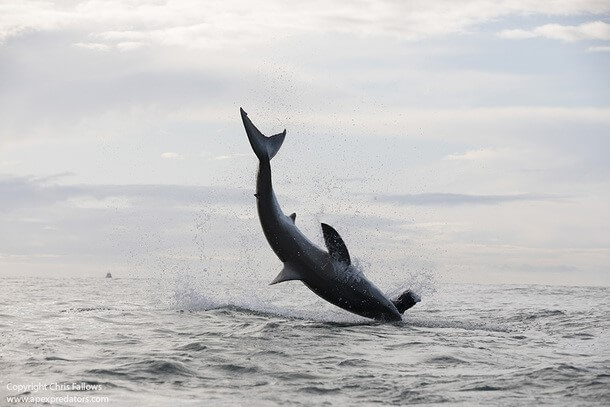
{"x": 335, "y": 245}
{"x": 288, "y": 273}
{"x": 293, "y": 217}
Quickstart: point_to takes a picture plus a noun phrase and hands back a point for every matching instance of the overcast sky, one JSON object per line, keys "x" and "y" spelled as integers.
{"x": 467, "y": 141}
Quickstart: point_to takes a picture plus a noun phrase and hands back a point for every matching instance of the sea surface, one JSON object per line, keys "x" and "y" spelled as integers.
{"x": 134, "y": 341}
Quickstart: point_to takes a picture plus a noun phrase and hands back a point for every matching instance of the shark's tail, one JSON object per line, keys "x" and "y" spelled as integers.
{"x": 264, "y": 147}
{"x": 406, "y": 301}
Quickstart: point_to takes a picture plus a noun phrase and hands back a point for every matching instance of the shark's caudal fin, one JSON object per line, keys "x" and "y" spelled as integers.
{"x": 406, "y": 301}
{"x": 264, "y": 147}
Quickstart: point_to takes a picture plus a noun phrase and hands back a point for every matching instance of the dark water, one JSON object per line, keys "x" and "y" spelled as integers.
{"x": 131, "y": 344}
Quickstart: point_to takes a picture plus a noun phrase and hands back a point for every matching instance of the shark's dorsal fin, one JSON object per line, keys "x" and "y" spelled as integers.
{"x": 288, "y": 273}
{"x": 334, "y": 244}
{"x": 293, "y": 217}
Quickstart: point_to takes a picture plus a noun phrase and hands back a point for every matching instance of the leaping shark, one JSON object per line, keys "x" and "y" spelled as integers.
{"x": 331, "y": 274}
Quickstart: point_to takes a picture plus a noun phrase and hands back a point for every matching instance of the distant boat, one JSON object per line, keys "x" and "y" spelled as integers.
{"x": 108, "y": 275}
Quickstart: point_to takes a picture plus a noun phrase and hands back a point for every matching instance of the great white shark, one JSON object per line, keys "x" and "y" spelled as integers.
{"x": 331, "y": 274}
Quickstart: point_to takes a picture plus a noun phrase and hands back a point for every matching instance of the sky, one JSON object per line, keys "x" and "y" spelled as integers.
{"x": 448, "y": 141}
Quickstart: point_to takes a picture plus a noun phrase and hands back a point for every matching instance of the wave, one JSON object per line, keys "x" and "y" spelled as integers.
{"x": 445, "y": 361}
{"x": 85, "y": 309}
{"x": 189, "y": 299}
{"x": 152, "y": 368}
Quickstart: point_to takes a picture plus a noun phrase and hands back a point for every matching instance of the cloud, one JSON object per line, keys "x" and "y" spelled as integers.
{"x": 172, "y": 156}
{"x": 596, "y": 30}
{"x": 217, "y": 24}
{"x": 9, "y": 163}
{"x": 54, "y": 228}
{"x": 229, "y": 156}
{"x": 481, "y": 154}
{"x": 92, "y": 46}
{"x": 599, "y": 49}
{"x": 129, "y": 45}
{"x": 449, "y": 199}
{"x": 30, "y": 192}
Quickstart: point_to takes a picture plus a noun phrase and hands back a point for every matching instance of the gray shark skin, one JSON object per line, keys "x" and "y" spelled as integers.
{"x": 328, "y": 274}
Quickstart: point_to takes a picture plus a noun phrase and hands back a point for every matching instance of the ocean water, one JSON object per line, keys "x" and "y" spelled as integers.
{"x": 134, "y": 341}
